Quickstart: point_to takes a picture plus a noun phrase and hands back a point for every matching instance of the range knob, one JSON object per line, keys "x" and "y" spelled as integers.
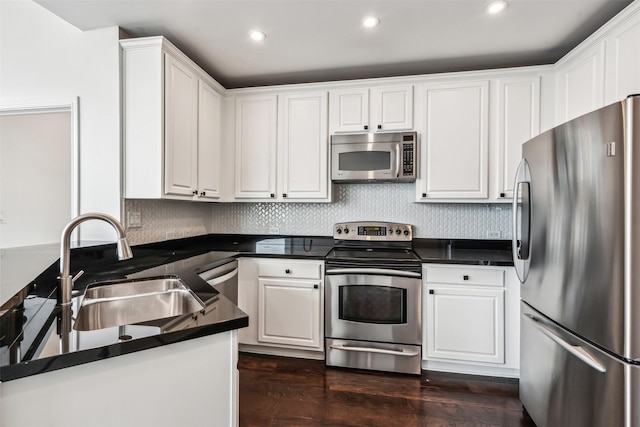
{"x": 391, "y": 231}
{"x": 406, "y": 232}
{"x": 339, "y": 230}
{"x": 346, "y": 231}
{"x": 398, "y": 231}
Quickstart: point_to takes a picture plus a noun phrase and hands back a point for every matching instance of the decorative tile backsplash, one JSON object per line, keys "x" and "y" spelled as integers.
{"x": 162, "y": 219}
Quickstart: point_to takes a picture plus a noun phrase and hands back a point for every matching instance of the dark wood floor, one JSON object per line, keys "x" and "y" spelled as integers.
{"x": 278, "y": 391}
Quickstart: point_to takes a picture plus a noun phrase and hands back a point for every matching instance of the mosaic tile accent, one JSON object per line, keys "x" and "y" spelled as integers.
{"x": 352, "y": 202}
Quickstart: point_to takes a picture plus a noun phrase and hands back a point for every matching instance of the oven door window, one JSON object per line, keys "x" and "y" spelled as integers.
{"x": 373, "y": 304}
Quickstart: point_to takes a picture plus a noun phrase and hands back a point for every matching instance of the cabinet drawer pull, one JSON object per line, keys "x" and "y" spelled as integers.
{"x": 272, "y": 195}
{"x": 315, "y": 286}
{"x": 366, "y": 127}
{"x": 195, "y": 192}
{"x": 379, "y": 126}
{"x": 287, "y": 271}
{"x": 465, "y": 277}
{"x": 431, "y": 292}
{"x": 424, "y": 194}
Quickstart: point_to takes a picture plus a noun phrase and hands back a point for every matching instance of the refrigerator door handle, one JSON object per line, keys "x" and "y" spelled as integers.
{"x": 521, "y": 225}
{"x": 575, "y": 350}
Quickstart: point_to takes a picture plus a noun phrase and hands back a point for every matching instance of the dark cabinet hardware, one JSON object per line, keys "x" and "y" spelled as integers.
{"x": 315, "y": 286}
{"x": 366, "y": 127}
{"x": 284, "y": 195}
{"x": 424, "y": 194}
{"x": 287, "y": 271}
{"x": 195, "y": 192}
{"x": 465, "y": 277}
{"x": 273, "y": 195}
{"x": 502, "y": 195}
{"x": 431, "y": 292}
{"x": 379, "y": 126}
{"x": 204, "y": 193}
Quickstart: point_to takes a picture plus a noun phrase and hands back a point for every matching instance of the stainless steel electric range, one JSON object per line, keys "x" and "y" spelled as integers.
{"x": 373, "y": 298}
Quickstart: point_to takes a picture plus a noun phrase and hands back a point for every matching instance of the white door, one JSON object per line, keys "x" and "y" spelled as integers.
{"x": 392, "y": 108}
{"x": 453, "y": 120}
{"x": 289, "y": 312}
{"x": 256, "y": 123}
{"x": 304, "y": 146}
{"x": 465, "y": 324}
{"x": 181, "y": 123}
{"x": 349, "y": 110}
{"x": 208, "y": 142}
{"x": 518, "y": 121}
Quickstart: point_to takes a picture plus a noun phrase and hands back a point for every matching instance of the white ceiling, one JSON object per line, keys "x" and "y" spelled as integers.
{"x": 322, "y": 40}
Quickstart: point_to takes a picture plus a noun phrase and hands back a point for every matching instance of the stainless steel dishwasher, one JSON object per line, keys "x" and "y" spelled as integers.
{"x": 224, "y": 279}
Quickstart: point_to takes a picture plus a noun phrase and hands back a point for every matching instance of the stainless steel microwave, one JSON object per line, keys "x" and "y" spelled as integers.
{"x": 374, "y": 157}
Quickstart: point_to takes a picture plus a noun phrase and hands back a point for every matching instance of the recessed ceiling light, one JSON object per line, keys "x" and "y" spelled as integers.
{"x": 370, "y": 21}
{"x": 496, "y": 7}
{"x": 257, "y": 35}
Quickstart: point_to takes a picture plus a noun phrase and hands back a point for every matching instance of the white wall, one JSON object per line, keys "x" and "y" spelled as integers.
{"x": 43, "y": 57}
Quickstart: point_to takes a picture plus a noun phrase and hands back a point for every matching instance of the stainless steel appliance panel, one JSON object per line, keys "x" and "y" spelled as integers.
{"x": 224, "y": 279}
{"x": 565, "y": 381}
{"x": 376, "y": 356}
{"x": 405, "y": 331}
{"x": 575, "y": 258}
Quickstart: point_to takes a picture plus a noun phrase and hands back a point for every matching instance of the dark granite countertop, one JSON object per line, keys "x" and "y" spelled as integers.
{"x": 37, "y": 336}
{"x": 470, "y": 252}
{"x": 34, "y": 332}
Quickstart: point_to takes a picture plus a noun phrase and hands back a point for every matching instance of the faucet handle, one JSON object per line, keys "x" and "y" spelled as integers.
{"x": 77, "y": 276}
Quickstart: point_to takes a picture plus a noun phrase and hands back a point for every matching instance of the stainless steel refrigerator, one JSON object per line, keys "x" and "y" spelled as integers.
{"x": 577, "y": 253}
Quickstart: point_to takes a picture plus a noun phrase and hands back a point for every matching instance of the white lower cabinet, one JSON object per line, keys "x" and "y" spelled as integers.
{"x": 284, "y": 299}
{"x": 289, "y": 312}
{"x": 471, "y": 322}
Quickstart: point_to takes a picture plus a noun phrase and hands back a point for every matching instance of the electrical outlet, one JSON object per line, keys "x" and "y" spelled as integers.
{"x": 274, "y": 230}
{"x": 134, "y": 219}
{"x": 494, "y": 234}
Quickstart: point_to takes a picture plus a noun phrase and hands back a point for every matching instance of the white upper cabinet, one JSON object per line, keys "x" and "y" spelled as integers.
{"x": 623, "y": 62}
{"x": 282, "y": 147}
{"x": 304, "y": 146}
{"x": 518, "y": 121}
{"x": 171, "y": 123}
{"x": 209, "y": 148}
{"x": 256, "y": 127}
{"x": 390, "y": 108}
{"x": 580, "y": 84}
{"x": 453, "y": 120}
{"x": 181, "y": 128}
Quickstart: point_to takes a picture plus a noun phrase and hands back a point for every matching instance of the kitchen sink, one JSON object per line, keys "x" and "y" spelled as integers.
{"x": 110, "y": 304}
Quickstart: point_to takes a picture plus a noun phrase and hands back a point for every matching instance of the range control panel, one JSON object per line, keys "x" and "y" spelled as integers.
{"x": 376, "y": 231}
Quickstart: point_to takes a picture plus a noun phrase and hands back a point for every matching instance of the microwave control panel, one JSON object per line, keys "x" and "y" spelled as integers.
{"x": 407, "y": 160}
{"x": 369, "y": 230}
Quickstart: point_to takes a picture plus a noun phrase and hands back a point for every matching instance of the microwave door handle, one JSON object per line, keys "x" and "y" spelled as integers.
{"x": 398, "y": 165}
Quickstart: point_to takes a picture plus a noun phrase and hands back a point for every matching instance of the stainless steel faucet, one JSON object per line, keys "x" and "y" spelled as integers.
{"x": 66, "y": 280}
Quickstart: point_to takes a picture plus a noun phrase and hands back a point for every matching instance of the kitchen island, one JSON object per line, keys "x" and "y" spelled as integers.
{"x": 127, "y": 375}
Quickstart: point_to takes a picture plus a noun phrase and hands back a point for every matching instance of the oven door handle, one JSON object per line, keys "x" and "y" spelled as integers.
{"x": 384, "y": 271}
{"x": 374, "y": 350}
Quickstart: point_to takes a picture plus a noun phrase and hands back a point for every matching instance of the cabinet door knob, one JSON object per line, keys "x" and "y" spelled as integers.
{"x": 424, "y": 194}
{"x": 204, "y": 193}
{"x": 366, "y": 127}
{"x": 284, "y": 195}
{"x": 315, "y": 286}
{"x": 379, "y": 126}
{"x": 195, "y": 192}
{"x": 287, "y": 271}
{"x": 431, "y": 292}
{"x": 465, "y": 277}
{"x": 502, "y": 195}
{"x": 273, "y": 195}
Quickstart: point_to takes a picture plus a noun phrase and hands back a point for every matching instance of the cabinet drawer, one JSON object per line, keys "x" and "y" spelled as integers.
{"x": 465, "y": 276}
{"x": 299, "y": 270}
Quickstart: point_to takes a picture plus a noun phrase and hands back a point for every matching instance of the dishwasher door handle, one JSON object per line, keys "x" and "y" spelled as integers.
{"x": 220, "y": 279}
